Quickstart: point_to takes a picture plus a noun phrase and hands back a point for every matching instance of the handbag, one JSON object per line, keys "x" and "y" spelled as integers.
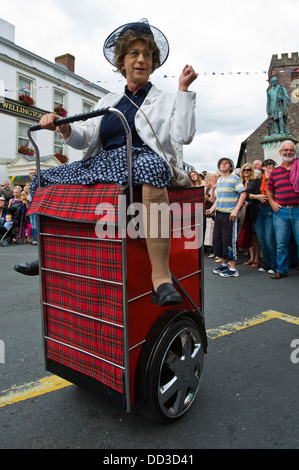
{"x": 180, "y": 178}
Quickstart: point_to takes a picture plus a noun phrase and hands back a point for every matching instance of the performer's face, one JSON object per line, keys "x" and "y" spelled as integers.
{"x": 138, "y": 64}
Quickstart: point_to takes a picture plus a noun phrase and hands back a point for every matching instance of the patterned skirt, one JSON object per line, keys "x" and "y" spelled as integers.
{"x": 109, "y": 166}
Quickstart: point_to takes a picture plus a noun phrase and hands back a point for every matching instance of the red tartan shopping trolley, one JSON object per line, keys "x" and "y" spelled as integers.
{"x": 101, "y": 330}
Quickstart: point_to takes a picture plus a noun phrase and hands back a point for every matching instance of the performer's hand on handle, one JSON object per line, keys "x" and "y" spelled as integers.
{"x": 47, "y": 122}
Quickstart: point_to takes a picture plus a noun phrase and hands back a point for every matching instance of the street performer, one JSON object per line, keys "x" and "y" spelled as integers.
{"x": 154, "y": 116}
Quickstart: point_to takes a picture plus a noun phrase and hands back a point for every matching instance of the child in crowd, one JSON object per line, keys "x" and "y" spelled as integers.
{"x": 8, "y": 221}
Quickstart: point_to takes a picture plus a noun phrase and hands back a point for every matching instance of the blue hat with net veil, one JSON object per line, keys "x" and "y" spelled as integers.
{"x": 142, "y": 27}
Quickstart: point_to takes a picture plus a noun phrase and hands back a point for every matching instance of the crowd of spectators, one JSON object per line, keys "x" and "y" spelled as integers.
{"x": 256, "y": 234}
{"x": 14, "y": 221}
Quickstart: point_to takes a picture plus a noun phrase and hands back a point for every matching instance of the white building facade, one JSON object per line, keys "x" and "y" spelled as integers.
{"x": 47, "y": 85}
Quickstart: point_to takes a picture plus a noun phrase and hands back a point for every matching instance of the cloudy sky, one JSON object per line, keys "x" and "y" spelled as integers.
{"x": 229, "y": 43}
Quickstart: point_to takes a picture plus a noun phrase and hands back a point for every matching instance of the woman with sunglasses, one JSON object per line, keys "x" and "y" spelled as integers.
{"x": 247, "y": 238}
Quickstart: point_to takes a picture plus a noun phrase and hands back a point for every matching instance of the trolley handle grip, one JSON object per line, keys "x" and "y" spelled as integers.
{"x": 76, "y": 117}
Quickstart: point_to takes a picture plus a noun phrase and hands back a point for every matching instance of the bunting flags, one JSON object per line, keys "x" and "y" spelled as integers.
{"x": 19, "y": 177}
{"x": 165, "y": 77}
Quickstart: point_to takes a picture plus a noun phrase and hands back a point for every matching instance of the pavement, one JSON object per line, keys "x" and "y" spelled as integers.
{"x": 248, "y": 397}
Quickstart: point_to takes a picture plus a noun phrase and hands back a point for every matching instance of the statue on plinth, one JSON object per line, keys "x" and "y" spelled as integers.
{"x": 277, "y": 108}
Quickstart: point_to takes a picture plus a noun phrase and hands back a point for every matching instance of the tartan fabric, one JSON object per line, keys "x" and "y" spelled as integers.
{"x": 184, "y": 199}
{"x": 92, "y": 257}
{"x": 58, "y": 227}
{"x": 76, "y": 297}
{"x": 80, "y": 202}
{"x": 86, "y": 288}
{"x": 75, "y": 202}
{"x": 109, "y": 374}
{"x": 184, "y": 195}
{"x": 84, "y": 296}
{"x": 96, "y": 338}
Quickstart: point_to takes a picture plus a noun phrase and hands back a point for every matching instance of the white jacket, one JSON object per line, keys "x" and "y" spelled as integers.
{"x": 170, "y": 116}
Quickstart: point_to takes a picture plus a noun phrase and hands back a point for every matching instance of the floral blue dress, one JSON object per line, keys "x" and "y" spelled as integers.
{"x": 110, "y": 165}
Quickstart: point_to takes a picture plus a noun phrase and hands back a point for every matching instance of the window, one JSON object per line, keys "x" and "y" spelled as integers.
{"x": 22, "y": 139}
{"x": 25, "y": 86}
{"x": 58, "y": 145}
{"x": 59, "y": 99}
{"x": 86, "y": 107}
{"x": 22, "y": 134}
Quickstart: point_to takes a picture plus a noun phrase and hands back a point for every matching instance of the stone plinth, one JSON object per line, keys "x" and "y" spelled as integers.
{"x": 271, "y": 145}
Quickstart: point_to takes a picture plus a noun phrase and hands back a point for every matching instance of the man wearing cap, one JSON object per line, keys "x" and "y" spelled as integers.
{"x": 283, "y": 195}
{"x": 230, "y": 197}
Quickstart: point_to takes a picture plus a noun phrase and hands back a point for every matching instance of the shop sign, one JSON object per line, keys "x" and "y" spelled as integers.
{"x": 15, "y": 108}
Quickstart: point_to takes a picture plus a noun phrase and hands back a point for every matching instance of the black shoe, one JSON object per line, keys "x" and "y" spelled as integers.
{"x": 29, "y": 269}
{"x": 166, "y": 295}
{"x": 278, "y": 275}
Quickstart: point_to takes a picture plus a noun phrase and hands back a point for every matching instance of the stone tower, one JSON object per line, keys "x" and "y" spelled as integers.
{"x": 257, "y": 146}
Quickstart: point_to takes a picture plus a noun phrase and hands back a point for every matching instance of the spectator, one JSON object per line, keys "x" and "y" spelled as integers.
{"x": 196, "y": 178}
{"x": 16, "y": 208}
{"x": 26, "y": 192}
{"x": 8, "y": 221}
{"x": 247, "y": 238}
{"x": 26, "y": 228}
{"x": 283, "y": 196}
{"x": 17, "y": 193}
{"x": 257, "y": 165}
{"x": 33, "y": 217}
{"x": 32, "y": 172}
{"x": 3, "y": 210}
{"x": 6, "y": 191}
{"x": 230, "y": 197}
{"x": 262, "y": 217}
{"x": 210, "y": 196}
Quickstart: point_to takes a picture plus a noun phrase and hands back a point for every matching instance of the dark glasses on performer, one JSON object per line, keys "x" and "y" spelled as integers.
{"x": 247, "y": 169}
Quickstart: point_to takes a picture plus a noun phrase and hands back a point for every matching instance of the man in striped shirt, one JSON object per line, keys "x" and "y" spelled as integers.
{"x": 285, "y": 204}
{"x": 230, "y": 197}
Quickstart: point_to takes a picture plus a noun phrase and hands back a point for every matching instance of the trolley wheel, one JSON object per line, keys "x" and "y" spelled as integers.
{"x": 174, "y": 372}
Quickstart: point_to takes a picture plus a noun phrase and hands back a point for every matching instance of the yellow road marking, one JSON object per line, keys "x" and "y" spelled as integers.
{"x": 282, "y": 316}
{"x": 52, "y": 383}
{"x": 33, "y": 389}
{"x": 229, "y": 328}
